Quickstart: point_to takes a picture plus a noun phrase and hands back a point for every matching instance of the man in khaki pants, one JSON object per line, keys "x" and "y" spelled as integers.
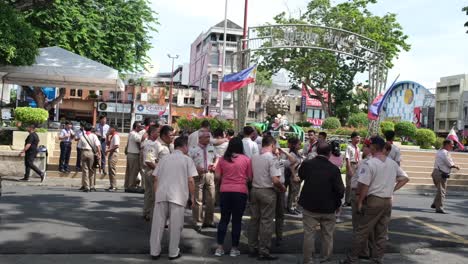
{"x": 442, "y": 166}
{"x": 113, "y": 158}
{"x": 321, "y": 198}
{"x": 133, "y": 158}
{"x": 352, "y": 157}
{"x": 89, "y": 143}
{"x": 379, "y": 178}
{"x": 205, "y": 158}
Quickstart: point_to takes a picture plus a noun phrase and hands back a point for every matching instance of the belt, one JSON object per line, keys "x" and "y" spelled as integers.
{"x": 383, "y": 198}
{"x": 65, "y": 142}
{"x": 84, "y": 150}
{"x": 353, "y": 162}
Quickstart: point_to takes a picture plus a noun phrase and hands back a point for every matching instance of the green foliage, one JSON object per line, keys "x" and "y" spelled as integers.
{"x": 387, "y": 126}
{"x": 343, "y": 146}
{"x": 304, "y": 124}
{"x": 358, "y": 120}
{"x": 331, "y": 123}
{"x": 115, "y": 33}
{"x": 439, "y": 142}
{"x": 405, "y": 130}
{"x": 425, "y": 138}
{"x": 192, "y": 124}
{"x": 41, "y": 130}
{"x": 263, "y": 78}
{"x": 18, "y": 43}
{"x": 29, "y": 115}
{"x": 344, "y": 131}
{"x": 466, "y": 10}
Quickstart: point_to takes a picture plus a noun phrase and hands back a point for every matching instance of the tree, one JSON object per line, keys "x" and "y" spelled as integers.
{"x": 327, "y": 71}
{"x": 18, "y": 43}
{"x": 405, "y": 130}
{"x": 466, "y": 10}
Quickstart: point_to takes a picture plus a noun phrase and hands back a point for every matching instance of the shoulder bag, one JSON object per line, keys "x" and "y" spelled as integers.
{"x": 97, "y": 158}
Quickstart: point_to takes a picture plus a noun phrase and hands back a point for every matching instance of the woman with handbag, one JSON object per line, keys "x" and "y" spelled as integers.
{"x": 90, "y": 155}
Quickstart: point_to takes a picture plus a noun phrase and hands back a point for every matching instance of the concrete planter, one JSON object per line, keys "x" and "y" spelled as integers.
{"x": 11, "y": 164}
{"x": 47, "y": 139}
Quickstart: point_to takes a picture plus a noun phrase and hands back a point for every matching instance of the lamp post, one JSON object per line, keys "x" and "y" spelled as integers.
{"x": 221, "y": 103}
{"x": 169, "y": 119}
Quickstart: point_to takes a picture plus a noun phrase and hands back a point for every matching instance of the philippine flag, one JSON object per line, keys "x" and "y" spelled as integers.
{"x": 453, "y": 136}
{"x": 374, "y": 109}
{"x": 235, "y": 81}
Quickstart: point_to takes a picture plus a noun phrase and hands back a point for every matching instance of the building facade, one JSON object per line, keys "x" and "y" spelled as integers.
{"x": 206, "y": 60}
{"x": 451, "y": 108}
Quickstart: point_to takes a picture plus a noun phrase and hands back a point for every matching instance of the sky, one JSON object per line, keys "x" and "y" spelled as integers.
{"x": 439, "y": 43}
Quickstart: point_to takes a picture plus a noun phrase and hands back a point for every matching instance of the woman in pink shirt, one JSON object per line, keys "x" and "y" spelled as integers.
{"x": 234, "y": 170}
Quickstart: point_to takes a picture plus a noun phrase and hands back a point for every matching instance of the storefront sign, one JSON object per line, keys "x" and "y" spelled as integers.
{"x": 150, "y": 109}
{"x": 315, "y": 121}
{"x": 114, "y": 107}
{"x": 313, "y": 102}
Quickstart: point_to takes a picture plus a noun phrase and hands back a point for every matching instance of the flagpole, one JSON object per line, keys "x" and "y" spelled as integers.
{"x": 221, "y": 103}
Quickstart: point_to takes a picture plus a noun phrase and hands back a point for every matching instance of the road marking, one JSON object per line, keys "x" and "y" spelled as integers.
{"x": 440, "y": 230}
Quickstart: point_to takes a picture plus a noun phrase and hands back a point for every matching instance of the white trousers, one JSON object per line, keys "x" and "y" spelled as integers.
{"x": 161, "y": 213}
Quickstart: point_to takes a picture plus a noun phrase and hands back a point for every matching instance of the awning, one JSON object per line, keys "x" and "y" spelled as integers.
{"x": 58, "y": 67}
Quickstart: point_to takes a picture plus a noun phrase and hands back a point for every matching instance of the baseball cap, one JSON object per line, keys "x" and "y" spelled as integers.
{"x": 378, "y": 141}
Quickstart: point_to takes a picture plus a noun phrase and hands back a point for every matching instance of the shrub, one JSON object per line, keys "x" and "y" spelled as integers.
{"x": 29, "y": 115}
{"x": 439, "y": 142}
{"x": 331, "y": 123}
{"x": 304, "y": 124}
{"x": 358, "y": 120}
{"x": 425, "y": 138}
{"x": 343, "y": 146}
{"x": 387, "y": 126}
{"x": 192, "y": 124}
{"x": 405, "y": 130}
{"x": 344, "y": 131}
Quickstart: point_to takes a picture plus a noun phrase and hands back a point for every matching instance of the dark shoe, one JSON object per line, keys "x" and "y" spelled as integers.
{"x": 43, "y": 176}
{"x": 77, "y": 169}
{"x": 292, "y": 212}
{"x": 85, "y": 190}
{"x": 209, "y": 226}
{"x": 81, "y": 189}
{"x": 93, "y": 189}
{"x": 111, "y": 189}
{"x": 198, "y": 229}
{"x": 253, "y": 253}
{"x": 176, "y": 257}
{"x": 346, "y": 204}
{"x": 104, "y": 173}
{"x": 297, "y": 211}
{"x": 433, "y": 206}
{"x": 67, "y": 171}
{"x": 441, "y": 211}
{"x": 266, "y": 257}
{"x": 155, "y": 257}
{"x": 147, "y": 218}
{"x": 129, "y": 190}
{"x": 343, "y": 261}
{"x": 62, "y": 171}
{"x": 24, "y": 179}
{"x": 364, "y": 257}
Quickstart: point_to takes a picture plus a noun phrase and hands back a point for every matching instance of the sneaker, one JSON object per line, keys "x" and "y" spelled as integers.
{"x": 111, "y": 189}
{"x": 43, "y": 176}
{"x": 234, "y": 252}
{"x": 267, "y": 257}
{"x": 24, "y": 179}
{"x": 219, "y": 252}
{"x": 93, "y": 189}
{"x": 82, "y": 188}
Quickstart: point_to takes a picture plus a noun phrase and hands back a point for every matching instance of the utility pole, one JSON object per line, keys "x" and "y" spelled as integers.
{"x": 221, "y": 103}
{"x": 169, "y": 119}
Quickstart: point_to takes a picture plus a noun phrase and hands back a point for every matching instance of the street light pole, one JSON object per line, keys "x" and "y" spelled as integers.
{"x": 221, "y": 103}
{"x": 169, "y": 119}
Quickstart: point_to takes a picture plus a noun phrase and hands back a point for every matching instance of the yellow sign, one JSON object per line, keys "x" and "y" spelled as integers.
{"x": 409, "y": 96}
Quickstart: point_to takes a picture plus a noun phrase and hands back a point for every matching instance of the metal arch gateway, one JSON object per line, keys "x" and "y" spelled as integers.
{"x": 306, "y": 36}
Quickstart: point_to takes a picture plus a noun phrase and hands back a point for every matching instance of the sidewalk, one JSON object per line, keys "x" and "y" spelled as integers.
{"x": 435, "y": 255}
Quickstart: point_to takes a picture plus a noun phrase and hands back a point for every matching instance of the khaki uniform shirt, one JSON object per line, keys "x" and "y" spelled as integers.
{"x": 92, "y": 138}
{"x": 443, "y": 161}
{"x": 203, "y": 157}
{"x": 134, "y": 140}
{"x": 310, "y": 152}
{"x": 264, "y": 167}
{"x": 352, "y": 153}
{"x": 172, "y": 174}
{"x": 114, "y": 141}
{"x": 394, "y": 154}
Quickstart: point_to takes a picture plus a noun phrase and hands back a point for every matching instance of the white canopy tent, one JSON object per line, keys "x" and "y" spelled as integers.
{"x": 58, "y": 67}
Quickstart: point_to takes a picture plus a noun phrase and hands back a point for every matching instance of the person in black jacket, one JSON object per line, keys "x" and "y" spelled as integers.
{"x": 320, "y": 197}
{"x": 29, "y": 152}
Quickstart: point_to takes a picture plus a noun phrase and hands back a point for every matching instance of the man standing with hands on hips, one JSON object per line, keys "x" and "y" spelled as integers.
{"x": 66, "y": 137}
{"x": 206, "y": 159}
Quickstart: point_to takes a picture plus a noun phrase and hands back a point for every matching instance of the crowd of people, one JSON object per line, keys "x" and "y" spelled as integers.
{"x": 249, "y": 170}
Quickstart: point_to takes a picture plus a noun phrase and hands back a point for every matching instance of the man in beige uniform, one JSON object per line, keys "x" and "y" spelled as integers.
{"x": 442, "y": 167}
{"x": 87, "y": 143}
{"x": 205, "y": 158}
{"x": 266, "y": 176}
{"x": 352, "y": 156}
{"x": 113, "y": 151}
{"x": 149, "y": 149}
{"x": 133, "y": 158}
{"x": 379, "y": 178}
{"x": 173, "y": 182}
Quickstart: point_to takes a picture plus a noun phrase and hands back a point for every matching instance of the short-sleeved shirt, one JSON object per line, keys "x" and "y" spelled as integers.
{"x": 203, "y": 157}
{"x": 235, "y": 174}
{"x": 172, "y": 174}
{"x": 66, "y": 135}
{"x": 258, "y": 140}
{"x": 250, "y": 147}
{"x": 93, "y": 140}
{"x": 78, "y": 134}
{"x": 102, "y": 130}
{"x": 115, "y": 141}
{"x": 394, "y": 154}
{"x": 355, "y": 177}
{"x": 380, "y": 176}
{"x": 310, "y": 150}
{"x": 221, "y": 149}
{"x": 264, "y": 167}
{"x": 443, "y": 161}
{"x": 134, "y": 140}
{"x": 283, "y": 164}
{"x": 32, "y": 139}
{"x": 352, "y": 153}
{"x": 193, "y": 139}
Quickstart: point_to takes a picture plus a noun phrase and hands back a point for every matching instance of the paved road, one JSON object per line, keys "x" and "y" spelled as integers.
{"x": 61, "y": 220}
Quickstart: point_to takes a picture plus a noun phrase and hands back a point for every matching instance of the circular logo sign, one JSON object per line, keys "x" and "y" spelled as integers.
{"x": 103, "y": 106}
{"x": 409, "y": 96}
{"x": 140, "y": 108}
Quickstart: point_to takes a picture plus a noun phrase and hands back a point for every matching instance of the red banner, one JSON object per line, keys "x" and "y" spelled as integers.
{"x": 311, "y": 101}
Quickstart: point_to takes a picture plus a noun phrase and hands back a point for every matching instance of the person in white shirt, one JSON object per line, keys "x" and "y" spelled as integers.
{"x": 133, "y": 158}
{"x": 394, "y": 153}
{"x": 66, "y": 137}
{"x": 442, "y": 166}
{"x": 173, "y": 184}
{"x": 113, "y": 154}
{"x": 205, "y": 127}
{"x": 89, "y": 144}
{"x": 352, "y": 158}
{"x": 78, "y": 134}
{"x": 250, "y": 147}
{"x": 102, "y": 129}
{"x": 220, "y": 149}
{"x": 379, "y": 178}
{"x": 310, "y": 148}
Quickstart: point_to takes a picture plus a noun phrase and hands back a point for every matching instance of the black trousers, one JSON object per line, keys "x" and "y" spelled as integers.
{"x": 78, "y": 158}
{"x": 29, "y": 164}
{"x": 65, "y": 151}
{"x": 232, "y": 209}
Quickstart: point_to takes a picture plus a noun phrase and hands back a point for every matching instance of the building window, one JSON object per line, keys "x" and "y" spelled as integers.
{"x": 442, "y": 124}
{"x": 214, "y": 59}
{"x": 228, "y": 58}
{"x": 252, "y": 114}
{"x": 442, "y": 90}
{"x": 213, "y": 37}
{"x": 314, "y": 113}
{"x": 73, "y": 92}
{"x": 186, "y": 100}
{"x": 198, "y": 47}
{"x": 298, "y": 108}
{"x": 80, "y": 93}
{"x": 130, "y": 96}
{"x": 443, "y": 107}
{"x": 454, "y": 107}
{"x": 454, "y": 89}
{"x": 111, "y": 95}
{"x": 231, "y": 38}
{"x": 214, "y": 82}
{"x": 192, "y": 101}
